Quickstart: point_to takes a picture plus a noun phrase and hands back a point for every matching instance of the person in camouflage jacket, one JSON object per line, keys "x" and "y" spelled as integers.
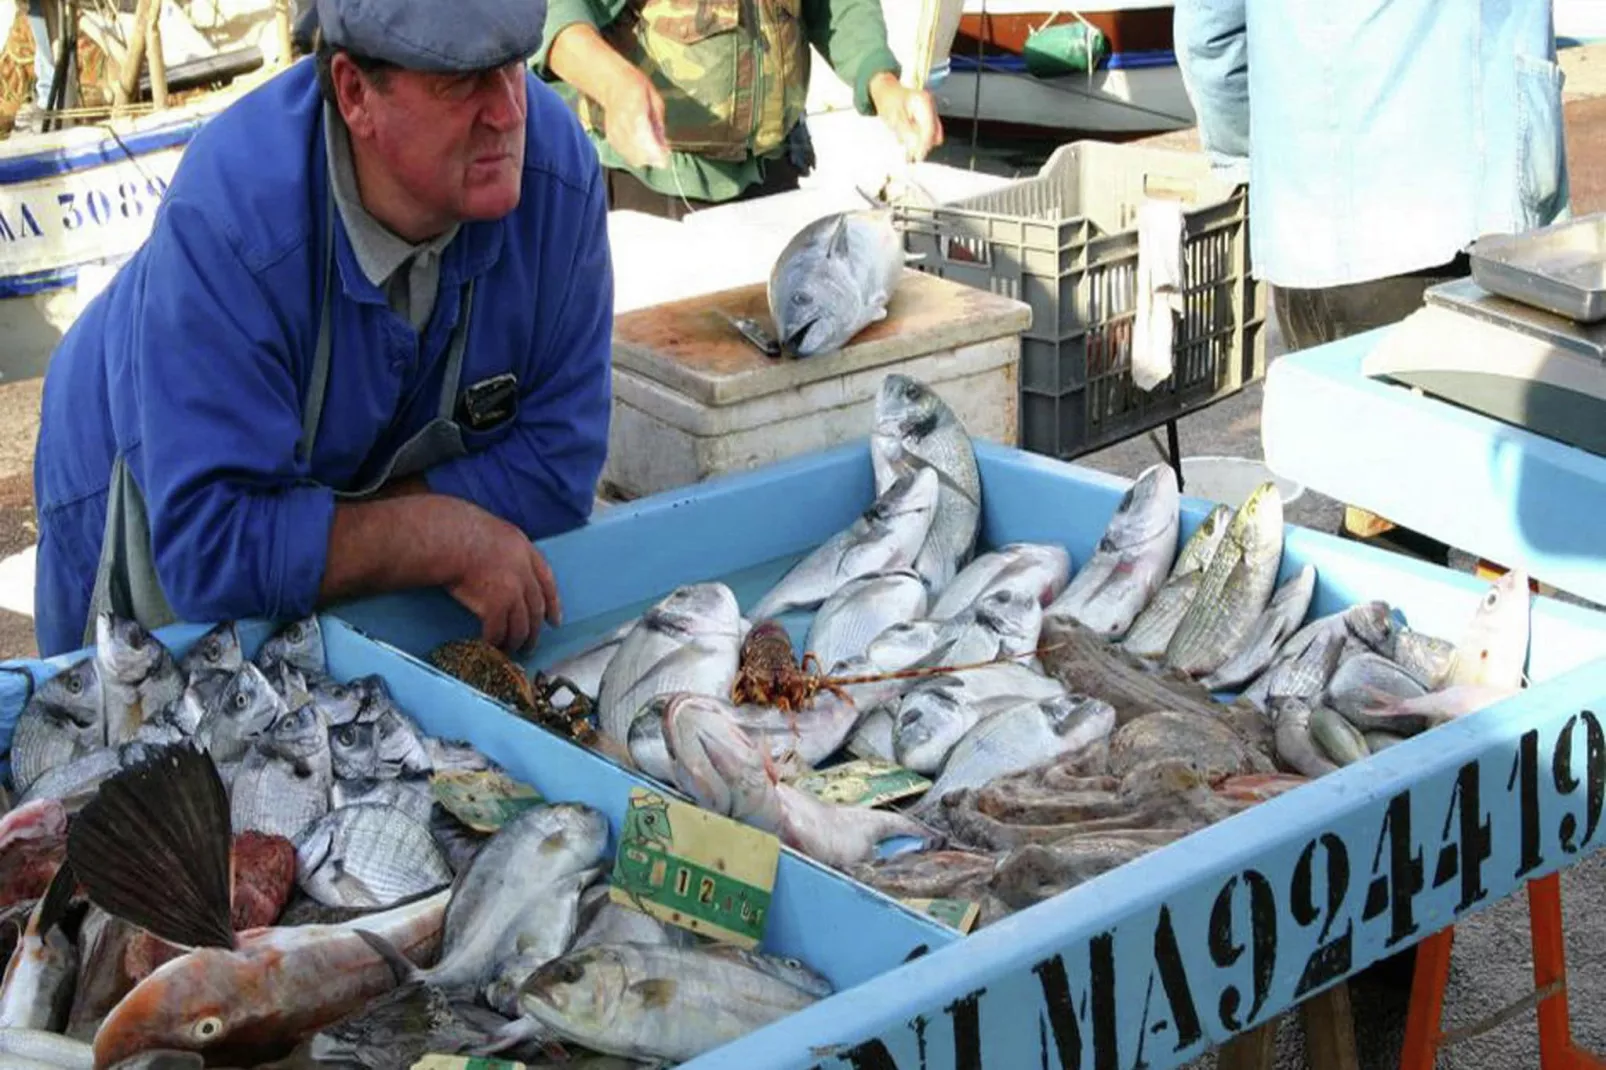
{"x": 699, "y": 102}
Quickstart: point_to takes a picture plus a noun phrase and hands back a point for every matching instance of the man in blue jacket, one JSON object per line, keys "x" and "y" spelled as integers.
{"x": 366, "y": 346}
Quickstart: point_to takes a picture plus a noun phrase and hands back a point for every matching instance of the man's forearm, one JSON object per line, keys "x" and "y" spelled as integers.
{"x": 415, "y": 539}
{"x": 581, "y": 57}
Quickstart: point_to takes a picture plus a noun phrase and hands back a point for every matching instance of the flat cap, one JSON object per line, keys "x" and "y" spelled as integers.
{"x": 449, "y": 36}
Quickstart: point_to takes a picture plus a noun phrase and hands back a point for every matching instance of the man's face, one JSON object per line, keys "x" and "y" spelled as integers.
{"x": 452, "y": 144}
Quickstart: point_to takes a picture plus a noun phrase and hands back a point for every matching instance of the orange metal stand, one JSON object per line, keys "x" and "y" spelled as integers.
{"x": 1557, "y": 1051}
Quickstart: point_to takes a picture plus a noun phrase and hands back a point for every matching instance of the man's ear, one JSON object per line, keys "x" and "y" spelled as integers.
{"x": 353, "y": 95}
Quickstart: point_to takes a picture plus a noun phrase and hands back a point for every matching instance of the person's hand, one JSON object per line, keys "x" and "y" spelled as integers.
{"x": 634, "y": 121}
{"x": 911, "y": 115}
{"x": 505, "y": 582}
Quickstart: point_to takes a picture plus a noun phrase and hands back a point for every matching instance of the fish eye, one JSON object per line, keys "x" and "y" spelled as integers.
{"x": 1490, "y": 599}
{"x": 337, "y": 692}
{"x": 293, "y": 633}
{"x": 207, "y": 1029}
{"x": 346, "y": 736}
{"x": 241, "y": 701}
{"x": 73, "y": 684}
{"x": 801, "y": 298}
{"x": 570, "y": 972}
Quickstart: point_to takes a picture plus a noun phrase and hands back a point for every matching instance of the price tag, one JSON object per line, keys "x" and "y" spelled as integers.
{"x": 691, "y": 868}
{"x": 863, "y": 782}
{"x": 464, "y": 1062}
{"x": 958, "y": 914}
{"x": 485, "y": 799}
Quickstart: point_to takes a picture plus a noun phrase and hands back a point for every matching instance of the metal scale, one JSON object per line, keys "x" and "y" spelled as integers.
{"x": 1522, "y": 341}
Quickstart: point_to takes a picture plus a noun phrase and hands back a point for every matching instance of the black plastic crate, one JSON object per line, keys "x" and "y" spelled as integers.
{"x": 1065, "y": 242}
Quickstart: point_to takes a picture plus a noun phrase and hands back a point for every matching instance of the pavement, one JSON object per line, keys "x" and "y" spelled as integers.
{"x": 1491, "y": 966}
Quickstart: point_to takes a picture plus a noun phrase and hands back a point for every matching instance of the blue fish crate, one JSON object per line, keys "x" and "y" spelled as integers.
{"x": 1197, "y": 941}
{"x": 1065, "y": 242}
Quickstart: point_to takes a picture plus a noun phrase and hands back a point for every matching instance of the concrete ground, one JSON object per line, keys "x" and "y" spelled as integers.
{"x": 1492, "y": 964}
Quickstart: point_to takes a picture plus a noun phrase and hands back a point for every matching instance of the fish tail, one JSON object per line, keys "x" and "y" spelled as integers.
{"x": 152, "y": 848}
{"x": 400, "y": 967}
{"x": 53, "y": 907}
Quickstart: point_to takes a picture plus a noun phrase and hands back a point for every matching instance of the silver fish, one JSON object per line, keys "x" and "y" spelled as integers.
{"x": 800, "y": 739}
{"x": 602, "y": 921}
{"x": 1436, "y": 707}
{"x": 914, "y": 428}
{"x": 299, "y": 644}
{"x": 1235, "y": 588}
{"x": 1038, "y": 568}
{"x": 218, "y": 651}
{"x": 1266, "y": 635}
{"x": 1002, "y": 624}
{"x": 411, "y": 795}
{"x": 874, "y": 736}
{"x": 1493, "y": 649}
{"x": 1339, "y": 740}
{"x": 400, "y": 745}
{"x": 688, "y": 641}
{"x": 28, "y": 1049}
{"x": 1370, "y": 623}
{"x": 283, "y": 782}
{"x": 932, "y": 719}
{"x": 368, "y": 855}
{"x": 453, "y": 755}
{"x": 1291, "y": 720}
{"x": 833, "y": 279}
{"x": 584, "y": 670}
{"x": 1364, "y": 678}
{"x": 517, "y": 905}
{"x": 38, "y": 987}
{"x": 1151, "y": 632}
{"x": 663, "y": 1003}
{"x": 353, "y": 750}
{"x": 1426, "y": 657}
{"x": 888, "y": 535}
{"x": 138, "y": 676}
{"x": 75, "y": 783}
{"x": 901, "y": 645}
{"x": 61, "y": 723}
{"x": 401, "y": 1027}
{"x": 720, "y": 767}
{"x": 1131, "y": 560}
{"x": 1019, "y": 737}
{"x": 861, "y": 610}
{"x": 340, "y": 704}
{"x": 245, "y": 709}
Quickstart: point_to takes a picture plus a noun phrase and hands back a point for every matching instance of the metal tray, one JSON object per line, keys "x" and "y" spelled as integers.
{"x": 1559, "y": 268}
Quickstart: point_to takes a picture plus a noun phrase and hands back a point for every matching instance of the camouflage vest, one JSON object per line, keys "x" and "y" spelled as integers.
{"x": 729, "y": 87}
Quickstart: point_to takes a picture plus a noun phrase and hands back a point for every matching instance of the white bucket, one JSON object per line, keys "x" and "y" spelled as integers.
{"x": 1229, "y": 480}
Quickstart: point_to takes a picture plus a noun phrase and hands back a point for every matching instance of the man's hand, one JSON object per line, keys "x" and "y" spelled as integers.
{"x": 634, "y": 121}
{"x": 911, "y": 115}
{"x": 505, "y": 581}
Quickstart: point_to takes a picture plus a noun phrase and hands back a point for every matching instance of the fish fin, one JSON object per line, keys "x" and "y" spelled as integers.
{"x": 152, "y": 848}
{"x": 522, "y": 1033}
{"x": 655, "y": 991}
{"x": 58, "y": 896}
{"x": 400, "y": 966}
{"x": 837, "y": 246}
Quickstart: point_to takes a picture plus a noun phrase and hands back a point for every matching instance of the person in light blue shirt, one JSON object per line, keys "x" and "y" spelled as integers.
{"x": 1379, "y": 138}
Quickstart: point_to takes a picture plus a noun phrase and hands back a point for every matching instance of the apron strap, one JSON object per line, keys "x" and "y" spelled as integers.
{"x": 313, "y": 413}
{"x": 454, "y": 355}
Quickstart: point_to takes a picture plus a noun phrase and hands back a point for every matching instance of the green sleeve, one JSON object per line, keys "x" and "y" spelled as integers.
{"x": 561, "y": 14}
{"x": 852, "y": 36}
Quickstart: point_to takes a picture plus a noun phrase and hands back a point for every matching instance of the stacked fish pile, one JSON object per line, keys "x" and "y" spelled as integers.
{"x": 1072, "y": 718}
{"x": 222, "y": 861}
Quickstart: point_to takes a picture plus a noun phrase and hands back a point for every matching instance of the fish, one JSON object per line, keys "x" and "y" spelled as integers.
{"x": 1291, "y": 720}
{"x": 833, "y": 279}
{"x": 1492, "y": 650}
{"x": 723, "y": 770}
{"x": 1435, "y": 707}
{"x": 283, "y": 784}
{"x": 37, "y": 990}
{"x": 1235, "y": 589}
{"x": 517, "y": 905}
{"x": 218, "y": 651}
{"x": 873, "y": 738}
{"x": 1002, "y": 623}
{"x": 245, "y": 709}
{"x": 1361, "y": 680}
{"x": 903, "y": 645}
{"x": 665, "y": 1003}
{"x": 914, "y": 428}
{"x": 26, "y": 1049}
{"x": 402, "y": 1026}
{"x": 1308, "y": 675}
{"x": 933, "y": 718}
{"x": 298, "y": 644}
{"x": 584, "y": 670}
{"x": 153, "y": 848}
{"x": 603, "y": 921}
{"x": 1038, "y": 568}
{"x": 1339, "y": 740}
{"x": 1153, "y": 628}
{"x": 104, "y": 946}
{"x": 62, "y": 722}
{"x": 1018, "y": 738}
{"x": 454, "y": 755}
{"x": 1204, "y": 742}
{"x": 862, "y": 609}
{"x": 75, "y": 783}
{"x": 399, "y": 744}
{"x": 1131, "y": 560}
{"x": 411, "y": 795}
{"x": 353, "y": 749}
{"x": 688, "y": 641}
{"x": 368, "y": 855}
{"x": 799, "y": 740}
{"x": 1427, "y": 657}
{"x": 886, "y": 536}
{"x": 138, "y": 676}
{"x": 341, "y": 704}
{"x": 1281, "y": 617}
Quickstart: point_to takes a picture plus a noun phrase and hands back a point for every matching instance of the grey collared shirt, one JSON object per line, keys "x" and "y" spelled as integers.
{"x": 382, "y": 253}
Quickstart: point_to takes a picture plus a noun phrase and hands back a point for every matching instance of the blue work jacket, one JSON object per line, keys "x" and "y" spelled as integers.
{"x": 1387, "y": 135}
{"x": 194, "y": 363}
